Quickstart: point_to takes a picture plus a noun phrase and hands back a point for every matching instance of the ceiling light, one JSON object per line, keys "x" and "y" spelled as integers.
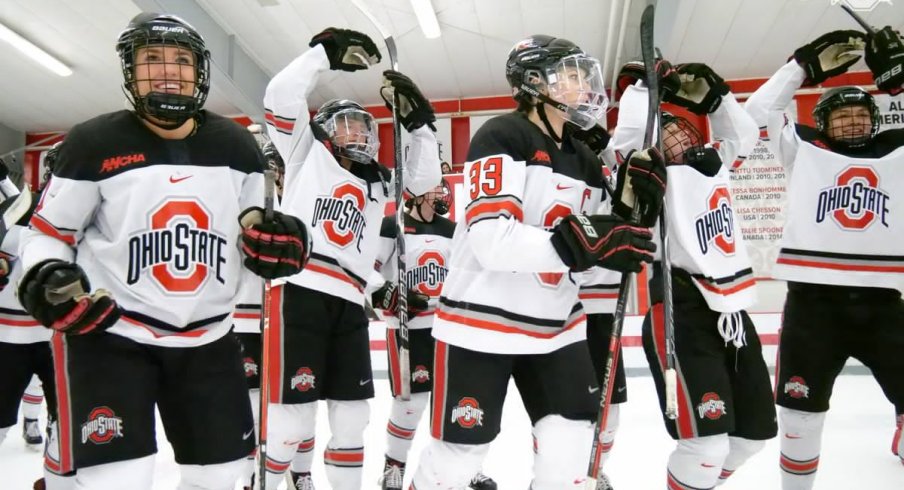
{"x": 34, "y": 52}
{"x": 426, "y": 17}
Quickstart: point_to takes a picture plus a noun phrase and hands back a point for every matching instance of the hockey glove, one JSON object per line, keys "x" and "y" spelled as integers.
{"x": 633, "y": 71}
{"x": 641, "y": 178}
{"x": 414, "y": 109}
{"x": 704, "y": 160}
{"x": 5, "y": 268}
{"x": 387, "y": 299}
{"x": 347, "y": 50}
{"x": 277, "y": 248}
{"x": 701, "y": 89}
{"x": 885, "y": 58}
{"x": 829, "y": 55}
{"x": 55, "y": 293}
{"x": 585, "y": 241}
{"x": 596, "y": 137}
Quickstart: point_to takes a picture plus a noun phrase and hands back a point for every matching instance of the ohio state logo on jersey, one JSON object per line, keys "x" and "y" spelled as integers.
{"x": 341, "y": 215}
{"x": 429, "y": 273}
{"x": 420, "y": 374}
{"x": 303, "y": 380}
{"x": 855, "y": 201}
{"x": 711, "y": 407}
{"x": 468, "y": 413}
{"x": 796, "y": 387}
{"x": 180, "y": 248}
{"x": 102, "y": 426}
{"x": 716, "y": 226}
{"x": 250, "y": 367}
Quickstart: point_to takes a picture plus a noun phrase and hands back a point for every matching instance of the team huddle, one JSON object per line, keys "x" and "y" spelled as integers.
{"x": 163, "y": 295}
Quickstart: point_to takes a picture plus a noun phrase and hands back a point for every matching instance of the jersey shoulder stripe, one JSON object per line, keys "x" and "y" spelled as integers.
{"x": 493, "y": 207}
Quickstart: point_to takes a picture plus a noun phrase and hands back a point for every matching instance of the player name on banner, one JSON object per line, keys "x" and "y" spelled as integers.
{"x": 759, "y": 194}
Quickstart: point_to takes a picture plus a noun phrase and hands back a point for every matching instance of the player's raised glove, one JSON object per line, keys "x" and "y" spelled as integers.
{"x": 56, "y": 293}
{"x": 641, "y": 178}
{"x": 277, "y": 248}
{"x": 596, "y": 137}
{"x": 829, "y": 55}
{"x": 885, "y": 58}
{"x": 705, "y": 160}
{"x": 387, "y": 298}
{"x": 701, "y": 89}
{"x": 414, "y": 109}
{"x": 633, "y": 71}
{"x": 346, "y": 49}
{"x": 605, "y": 240}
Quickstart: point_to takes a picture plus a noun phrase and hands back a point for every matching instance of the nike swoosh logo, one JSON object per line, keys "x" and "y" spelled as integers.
{"x": 246, "y": 435}
{"x": 175, "y": 180}
{"x": 592, "y": 390}
{"x": 561, "y": 187}
{"x": 363, "y": 382}
{"x": 429, "y": 241}
{"x": 707, "y": 465}
{"x": 622, "y": 388}
{"x": 792, "y": 436}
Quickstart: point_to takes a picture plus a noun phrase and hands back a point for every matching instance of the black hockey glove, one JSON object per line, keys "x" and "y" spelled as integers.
{"x": 885, "y": 58}
{"x": 633, "y": 71}
{"x": 829, "y": 55}
{"x": 347, "y": 50}
{"x": 704, "y": 160}
{"x": 701, "y": 89}
{"x": 596, "y": 137}
{"x": 276, "y": 248}
{"x": 387, "y": 298}
{"x": 605, "y": 240}
{"x": 414, "y": 109}
{"x": 56, "y": 294}
{"x": 641, "y": 177}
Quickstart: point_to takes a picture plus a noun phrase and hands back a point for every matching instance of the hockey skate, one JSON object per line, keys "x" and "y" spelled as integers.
{"x": 393, "y": 475}
{"x": 32, "y": 434}
{"x": 301, "y": 481}
{"x": 482, "y": 482}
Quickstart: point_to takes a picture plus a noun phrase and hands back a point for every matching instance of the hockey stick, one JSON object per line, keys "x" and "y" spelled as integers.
{"x": 404, "y": 359}
{"x": 14, "y": 209}
{"x": 869, "y": 29}
{"x": 596, "y": 453}
{"x": 264, "y": 401}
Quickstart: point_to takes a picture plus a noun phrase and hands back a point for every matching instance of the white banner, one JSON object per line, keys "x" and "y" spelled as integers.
{"x": 891, "y": 111}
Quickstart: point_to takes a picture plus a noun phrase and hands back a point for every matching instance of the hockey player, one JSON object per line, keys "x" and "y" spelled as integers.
{"x": 428, "y": 244}
{"x": 841, "y": 243}
{"x": 140, "y": 291}
{"x": 334, "y": 185}
{"x": 725, "y": 407}
{"x": 509, "y": 306}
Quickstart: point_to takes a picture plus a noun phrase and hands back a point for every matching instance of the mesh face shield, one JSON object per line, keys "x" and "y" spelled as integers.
{"x": 679, "y": 136}
{"x": 851, "y": 126}
{"x": 576, "y": 81}
{"x": 441, "y": 197}
{"x": 355, "y": 133}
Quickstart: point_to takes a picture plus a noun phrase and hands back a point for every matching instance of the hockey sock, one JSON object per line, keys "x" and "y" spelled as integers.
{"x": 344, "y": 454}
{"x": 110, "y": 476}
{"x": 220, "y": 476}
{"x": 801, "y": 437}
{"x": 607, "y": 435}
{"x": 740, "y": 451}
{"x": 560, "y": 452}
{"x": 3, "y": 433}
{"x": 447, "y": 465}
{"x": 286, "y": 426}
{"x": 403, "y": 420}
{"x": 32, "y": 399}
{"x": 696, "y": 462}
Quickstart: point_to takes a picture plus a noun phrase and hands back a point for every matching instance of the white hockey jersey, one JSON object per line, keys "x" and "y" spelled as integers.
{"x": 507, "y": 290}
{"x": 844, "y": 225}
{"x": 428, "y": 248}
{"x": 343, "y": 209}
{"x": 704, "y": 235}
{"x": 153, "y": 221}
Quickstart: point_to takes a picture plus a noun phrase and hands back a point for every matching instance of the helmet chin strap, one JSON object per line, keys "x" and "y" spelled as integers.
{"x": 541, "y": 111}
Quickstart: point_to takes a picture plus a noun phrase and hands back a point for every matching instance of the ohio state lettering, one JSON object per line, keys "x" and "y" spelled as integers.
{"x": 429, "y": 273}
{"x": 102, "y": 426}
{"x": 303, "y": 380}
{"x": 855, "y": 201}
{"x": 420, "y": 374}
{"x": 716, "y": 226}
{"x": 468, "y": 413}
{"x": 796, "y": 387}
{"x": 711, "y": 406}
{"x": 180, "y": 248}
{"x": 341, "y": 215}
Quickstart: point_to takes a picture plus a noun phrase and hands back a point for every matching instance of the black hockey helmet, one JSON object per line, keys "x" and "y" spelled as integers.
{"x": 837, "y": 97}
{"x": 50, "y": 159}
{"x": 150, "y": 28}
{"x": 560, "y": 67}
{"x": 351, "y": 129}
{"x": 678, "y": 136}
{"x": 440, "y": 198}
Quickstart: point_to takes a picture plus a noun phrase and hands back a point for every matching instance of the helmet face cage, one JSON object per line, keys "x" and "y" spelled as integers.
{"x": 678, "y": 136}
{"x": 846, "y": 129}
{"x": 354, "y": 132}
{"x": 155, "y": 45}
